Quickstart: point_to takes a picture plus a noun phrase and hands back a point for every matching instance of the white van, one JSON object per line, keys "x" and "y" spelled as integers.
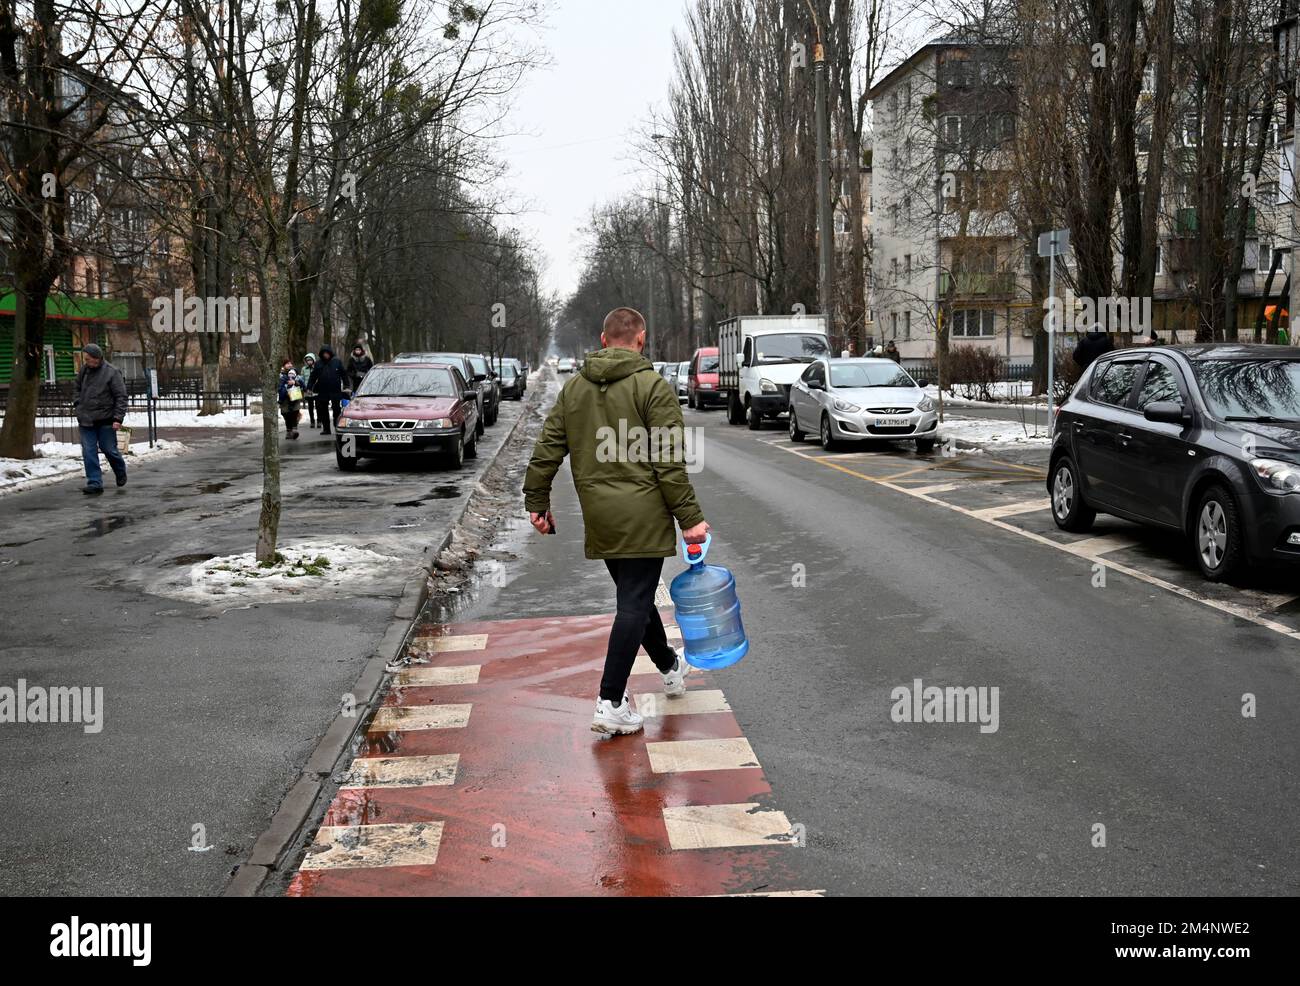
{"x": 760, "y": 356}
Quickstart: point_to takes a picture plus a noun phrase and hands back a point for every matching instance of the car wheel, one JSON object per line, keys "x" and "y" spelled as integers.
{"x": 479, "y": 426}
{"x": 925, "y": 446}
{"x": 471, "y": 448}
{"x": 1068, "y": 509}
{"x": 690, "y": 401}
{"x": 752, "y": 418}
{"x": 796, "y": 434}
{"x": 826, "y": 435}
{"x": 1216, "y": 535}
{"x": 456, "y": 457}
{"x": 345, "y": 463}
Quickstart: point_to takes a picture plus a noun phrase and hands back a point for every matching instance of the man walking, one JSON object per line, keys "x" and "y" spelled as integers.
{"x": 99, "y": 400}
{"x": 628, "y": 505}
{"x": 326, "y": 382}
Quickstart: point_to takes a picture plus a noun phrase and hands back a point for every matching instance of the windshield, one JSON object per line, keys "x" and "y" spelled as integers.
{"x": 1250, "y": 388}
{"x": 870, "y": 375}
{"x": 708, "y": 364}
{"x": 789, "y": 346}
{"x": 393, "y": 381}
{"x": 479, "y": 364}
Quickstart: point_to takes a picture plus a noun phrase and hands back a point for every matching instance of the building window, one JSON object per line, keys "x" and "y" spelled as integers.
{"x": 1265, "y": 259}
{"x": 907, "y": 266}
{"x": 950, "y": 129}
{"x": 907, "y": 325}
{"x": 972, "y": 323}
{"x": 893, "y": 218}
{"x": 1160, "y": 259}
{"x": 893, "y": 270}
{"x": 1149, "y": 80}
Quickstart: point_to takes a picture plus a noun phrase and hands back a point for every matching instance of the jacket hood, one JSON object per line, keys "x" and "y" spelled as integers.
{"x": 608, "y": 365}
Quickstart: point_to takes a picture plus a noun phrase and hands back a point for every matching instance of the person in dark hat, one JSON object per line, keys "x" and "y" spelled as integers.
{"x": 99, "y": 400}
{"x": 327, "y": 381}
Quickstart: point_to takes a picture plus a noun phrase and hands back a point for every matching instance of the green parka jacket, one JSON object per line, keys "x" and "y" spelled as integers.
{"x": 620, "y": 424}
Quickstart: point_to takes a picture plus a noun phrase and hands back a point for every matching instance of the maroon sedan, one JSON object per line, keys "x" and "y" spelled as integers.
{"x": 409, "y": 409}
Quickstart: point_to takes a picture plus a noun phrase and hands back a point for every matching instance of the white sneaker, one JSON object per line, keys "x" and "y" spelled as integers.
{"x": 675, "y": 680}
{"x": 616, "y": 719}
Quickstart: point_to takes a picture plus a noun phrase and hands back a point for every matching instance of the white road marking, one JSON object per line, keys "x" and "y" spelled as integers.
{"x": 679, "y": 756}
{"x": 1100, "y": 545}
{"x": 1223, "y": 606}
{"x": 694, "y": 702}
{"x": 461, "y": 674}
{"x": 409, "y": 718}
{"x": 722, "y": 826}
{"x": 415, "y": 771}
{"x": 1011, "y": 509}
{"x": 365, "y": 846}
{"x": 931, "y": 490}
{"x": 777, "y": 893}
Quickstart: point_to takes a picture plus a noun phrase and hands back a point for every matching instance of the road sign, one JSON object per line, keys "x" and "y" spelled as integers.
{"x": 1054, "y": 244}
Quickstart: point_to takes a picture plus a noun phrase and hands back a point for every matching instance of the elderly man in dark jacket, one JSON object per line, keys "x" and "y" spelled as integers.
{"x": 100, "y": 404}
{"x": 327, "y": 381}
{"x": 628, "y": 501}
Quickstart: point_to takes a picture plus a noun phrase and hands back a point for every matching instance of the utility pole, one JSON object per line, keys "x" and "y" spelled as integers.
{"x": 826, "y": 242}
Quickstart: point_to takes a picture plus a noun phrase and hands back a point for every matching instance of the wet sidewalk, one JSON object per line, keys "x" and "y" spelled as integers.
{"x": 211, "y": 704}
{"x": 479, "y": 775}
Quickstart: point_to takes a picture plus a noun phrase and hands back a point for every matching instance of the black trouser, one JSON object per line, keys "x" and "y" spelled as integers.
{"x": 328, "y": 410}
{"x": 636, "y": 624}
{"x": 290, "y": 411}
{"x": 310, "y": 401}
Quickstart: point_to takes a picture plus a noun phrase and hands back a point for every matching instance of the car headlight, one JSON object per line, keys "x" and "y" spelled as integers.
{"x": 925, "y": 404}
{"x": 345, "y": 422}
{"x": 840, "y": 405}
{"x": 1277, "y": 476}
{"x": 435, "y": 423}
{"x": 767, "y": 386}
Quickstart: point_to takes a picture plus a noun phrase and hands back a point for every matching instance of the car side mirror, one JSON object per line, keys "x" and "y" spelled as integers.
{"x": 923, "y": 383}
{"x": 815, "y": 385}
{"x": 1168, "y": 412}
{"x": 469, "y": 395}
{"x": 480, "y": 376}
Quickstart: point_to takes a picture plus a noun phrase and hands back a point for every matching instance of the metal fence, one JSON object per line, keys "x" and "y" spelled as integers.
{"x": 929, "y": 370}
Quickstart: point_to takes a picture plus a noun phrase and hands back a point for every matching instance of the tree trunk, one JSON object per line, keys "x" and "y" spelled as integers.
{"x": 19, "y": 431}
{"x": 268, "y": 521}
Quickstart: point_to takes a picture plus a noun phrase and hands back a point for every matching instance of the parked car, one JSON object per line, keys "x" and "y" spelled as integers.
{"x": 567, "y": 364}
{"x": 511, "y": 381}
{"x": 409, "y": 408}
{"x": 1203, "y": 440}
{"x": 521, "y": 369}
{"x": 659, "y": 366}
{"x": 760, "y": 357}
{"x": 485, "y": 374}
{"x": 861, "y": 400}
{"x": 669, "y": 372}
{"x": 467, "y": 371}
{"x": 680, "y": 379}
{"x": 702, "y": 379}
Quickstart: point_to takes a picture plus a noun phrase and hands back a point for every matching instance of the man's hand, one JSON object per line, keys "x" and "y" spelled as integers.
{"x": 117, "y": 425}
{"x": 545, "y": 523}
{"x": 696, "y": 534}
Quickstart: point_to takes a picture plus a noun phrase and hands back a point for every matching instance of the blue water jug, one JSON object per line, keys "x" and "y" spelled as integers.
{"x": 708, "y": 611}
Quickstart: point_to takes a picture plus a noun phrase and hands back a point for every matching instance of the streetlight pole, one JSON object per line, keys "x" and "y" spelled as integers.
{"x": 825, "y": 240}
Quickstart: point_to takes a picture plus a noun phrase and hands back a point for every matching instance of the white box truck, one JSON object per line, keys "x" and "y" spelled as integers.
{"x": 760, "y": 356}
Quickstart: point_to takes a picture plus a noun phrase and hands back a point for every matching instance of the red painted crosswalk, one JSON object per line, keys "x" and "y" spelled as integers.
{"x": 479, "y": 775}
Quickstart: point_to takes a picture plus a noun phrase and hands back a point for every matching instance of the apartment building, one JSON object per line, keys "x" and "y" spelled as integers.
{"x": 945, "y": 121}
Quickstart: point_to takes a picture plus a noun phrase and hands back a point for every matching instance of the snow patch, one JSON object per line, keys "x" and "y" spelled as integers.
{"x": 991, "y": 431}
{"x": 60, "y": 460}
{"x": 307, "y": 570}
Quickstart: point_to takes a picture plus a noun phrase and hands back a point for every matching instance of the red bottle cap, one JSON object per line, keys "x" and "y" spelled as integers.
{"x": 692, "y": 550}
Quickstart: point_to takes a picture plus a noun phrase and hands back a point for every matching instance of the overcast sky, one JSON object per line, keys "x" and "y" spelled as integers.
{"x": 611, "y": 61}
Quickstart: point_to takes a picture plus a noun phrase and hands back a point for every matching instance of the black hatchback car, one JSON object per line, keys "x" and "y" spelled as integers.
{"x": 1204, "y": 440}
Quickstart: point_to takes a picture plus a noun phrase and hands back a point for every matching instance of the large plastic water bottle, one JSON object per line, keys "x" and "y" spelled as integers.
{"x": 708, "y": 611}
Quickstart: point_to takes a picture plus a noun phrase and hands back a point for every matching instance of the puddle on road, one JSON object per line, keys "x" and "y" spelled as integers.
{"x": 19, "y": 544}
{"x": 214, "y": 487}
{"x": 105, "y": 525}
{"x": 193, "y": 559}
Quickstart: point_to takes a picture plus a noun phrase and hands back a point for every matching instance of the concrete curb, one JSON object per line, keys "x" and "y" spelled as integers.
{"x": 296, "y": 808}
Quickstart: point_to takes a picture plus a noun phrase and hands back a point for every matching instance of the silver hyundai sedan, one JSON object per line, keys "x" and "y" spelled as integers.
{"x": 861, "y": 400}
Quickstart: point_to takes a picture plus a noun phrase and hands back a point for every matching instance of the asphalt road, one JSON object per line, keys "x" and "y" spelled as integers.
{"x": 1120, "y": 705}
{"x": 211, "y": 706}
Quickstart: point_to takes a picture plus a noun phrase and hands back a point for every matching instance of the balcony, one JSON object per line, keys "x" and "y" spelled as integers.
{"x": 1187, "y": 224}
{"x": 973, "y": 284}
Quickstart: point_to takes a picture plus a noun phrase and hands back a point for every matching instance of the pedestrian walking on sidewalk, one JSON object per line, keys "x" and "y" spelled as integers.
{"x": 628, "y": 501}
{"x": 290, "y": 399}
{"x": 308, "y": 364}
{"x": 358, "y": 365}
{"x": 327, "y": 382}
{"x": 99, "y": 400}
